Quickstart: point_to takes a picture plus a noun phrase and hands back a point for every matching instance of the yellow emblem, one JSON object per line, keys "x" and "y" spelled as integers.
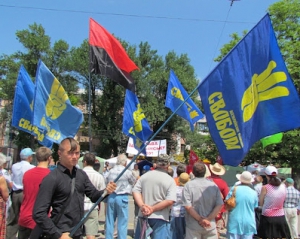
{"x": 138, "y": 116}
{"x": 262, "y": 88}
{"x": 56, "y": 103}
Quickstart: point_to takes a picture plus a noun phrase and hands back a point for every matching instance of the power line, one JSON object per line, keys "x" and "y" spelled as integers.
{"x": 123, "y": 15}
{"x": 221, "y": 35}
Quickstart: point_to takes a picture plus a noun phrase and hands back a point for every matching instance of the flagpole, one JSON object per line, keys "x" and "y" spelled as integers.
{"x": 128, "y": 165}
{"x": 90, "y": 114}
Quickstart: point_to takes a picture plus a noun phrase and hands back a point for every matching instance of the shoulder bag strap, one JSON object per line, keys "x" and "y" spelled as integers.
{"x": 66, "y": 202}
{"x": 233, "y": 193}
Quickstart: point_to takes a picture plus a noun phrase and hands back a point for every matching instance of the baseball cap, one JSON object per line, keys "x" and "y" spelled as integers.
{"x": 271, "y": 170}
{"x": 163, "y": 158}
{"x": 25, "y": 153}
{"x": 289, "y": 180}
{"x": 146, "y": 167}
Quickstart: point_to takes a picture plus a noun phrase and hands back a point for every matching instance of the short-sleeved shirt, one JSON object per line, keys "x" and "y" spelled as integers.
{"x": 156, "y": 186}
{"x": 203, "y": 195}
{"x": 241, "y": 220}
{"x": 97, "y": 180}
{"x": 222, "y": 185}
{"x": 31, "y": 182}
{"x": 178, "y": 210}
{"x": 125, "y": 182}
{"x": 292, "y": 198}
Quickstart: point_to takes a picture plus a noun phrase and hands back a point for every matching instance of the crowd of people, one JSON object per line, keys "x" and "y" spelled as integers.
{"x": 191, "y": 205}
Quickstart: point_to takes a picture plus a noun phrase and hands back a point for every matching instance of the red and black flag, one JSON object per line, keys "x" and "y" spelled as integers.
{"x": 109, "y": 58}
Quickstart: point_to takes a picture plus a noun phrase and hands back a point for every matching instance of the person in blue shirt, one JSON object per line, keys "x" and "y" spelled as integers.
{"x": 241, "y": 219}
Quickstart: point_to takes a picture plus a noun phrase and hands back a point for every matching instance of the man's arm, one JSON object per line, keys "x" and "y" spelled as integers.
{"x": 214, "y": 212}
{"x": 162, "y": 205}
{"x": 91, "y": 191}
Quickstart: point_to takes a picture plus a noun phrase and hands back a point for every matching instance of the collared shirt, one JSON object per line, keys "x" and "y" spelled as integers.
{"x": 125, "y": 182}
{"x": 18, "y": 170}
{"x": 54, "y": 191}
{"x": 203, "y": 195}
{"x": 97, "y": 180}
{"x": 156, "y": 186}
{"x": 292, "y": 198}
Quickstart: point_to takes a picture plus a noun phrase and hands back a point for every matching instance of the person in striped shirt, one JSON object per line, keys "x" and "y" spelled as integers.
{"x": 290, "y": 207}
{"x": 91, "y": 224}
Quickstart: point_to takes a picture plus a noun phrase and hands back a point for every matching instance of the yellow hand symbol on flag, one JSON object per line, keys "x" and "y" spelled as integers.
{"x": 262, "y": 88}
{"x": 56, "y": 103}
{"x": 138, "y": 116}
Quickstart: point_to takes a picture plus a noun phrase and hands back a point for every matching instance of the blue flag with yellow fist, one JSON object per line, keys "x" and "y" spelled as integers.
{"x": 249, "y": 95}
{"x": 135, "y": 124}
{"x": 176, "y": 94}
{"x": 22, "y": 108}
{"x": 53, "y": 110}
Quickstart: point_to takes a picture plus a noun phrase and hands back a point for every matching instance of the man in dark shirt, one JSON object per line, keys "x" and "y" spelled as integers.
{"x": 56, "y": 188}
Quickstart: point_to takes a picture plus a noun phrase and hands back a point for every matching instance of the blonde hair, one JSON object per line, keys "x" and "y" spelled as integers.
{"x": 43, "y": 154}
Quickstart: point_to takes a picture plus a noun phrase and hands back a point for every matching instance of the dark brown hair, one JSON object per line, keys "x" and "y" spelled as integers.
{"x": 73, "y": 144}
{"x": 199, "y": 170}
{"x": 89, "y": 159}
{"x": 273, "y": 180}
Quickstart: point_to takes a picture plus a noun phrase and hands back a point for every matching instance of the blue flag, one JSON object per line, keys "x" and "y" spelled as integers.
{"x": 135, "y": 124}
{"x": 22, "y": 108}
{"x": 53, "y": 110}
{"x": 176, "y": 94}
{"x": 249, "y": 95}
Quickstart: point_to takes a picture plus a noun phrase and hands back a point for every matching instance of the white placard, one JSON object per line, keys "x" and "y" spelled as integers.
{"x": 153, "y": 149}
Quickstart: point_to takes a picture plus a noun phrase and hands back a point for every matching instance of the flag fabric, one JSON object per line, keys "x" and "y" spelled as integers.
{"x": 249, "y": 95}
{"x": 193, "y": 158}
{"x": 22, "y": 108}
{"x": 108, "y": 57}
{"x": 135, "y": 124}
{"x": 52, "y": 109}
{"x": 176, "y": 94}
{"x": 272, "y": 139}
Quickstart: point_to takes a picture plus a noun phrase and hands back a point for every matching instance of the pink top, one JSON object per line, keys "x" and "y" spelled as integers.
{"x": 274, "y": 199}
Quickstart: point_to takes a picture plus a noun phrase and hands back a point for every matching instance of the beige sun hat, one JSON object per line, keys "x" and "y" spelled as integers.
{"x": 217, "y": 169}
{"x": 245, "y": 177}
{"x": 207, "y": 172}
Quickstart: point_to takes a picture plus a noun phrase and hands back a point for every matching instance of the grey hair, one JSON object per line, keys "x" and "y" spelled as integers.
{"x": 121, "y": 159}
{"x": 2, "y": 159}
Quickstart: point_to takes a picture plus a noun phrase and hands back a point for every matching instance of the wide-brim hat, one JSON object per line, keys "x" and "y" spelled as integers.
{"x": 245, "y": 177}
{"x": 207, "y": 172}
{"x": 217, "y": 169}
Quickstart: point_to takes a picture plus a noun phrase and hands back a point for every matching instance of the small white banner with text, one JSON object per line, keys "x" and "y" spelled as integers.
{"x": 153, "y": 149}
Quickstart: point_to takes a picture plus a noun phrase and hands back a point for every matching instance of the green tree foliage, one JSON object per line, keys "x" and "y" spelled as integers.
{"x": 107, "y": 98}
{"x": 36, "y": 46}
{"x": 235, "y": 38}
{"x": 285, "y": 16}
